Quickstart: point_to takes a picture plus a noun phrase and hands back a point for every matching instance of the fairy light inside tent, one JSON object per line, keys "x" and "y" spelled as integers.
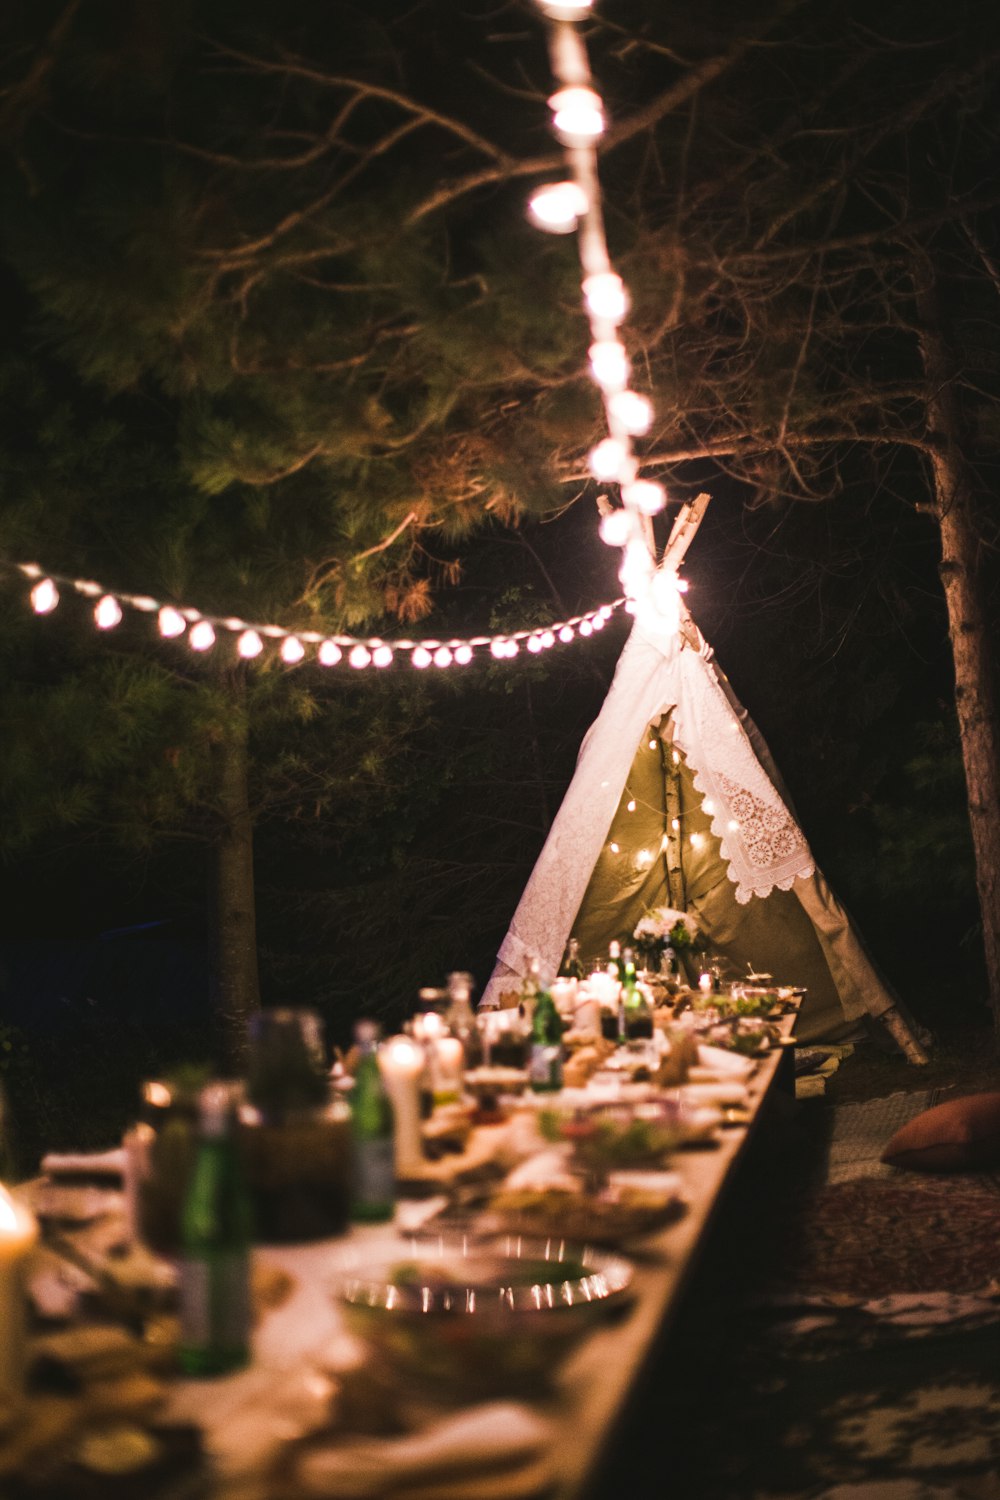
{"x": 201, "y": 631}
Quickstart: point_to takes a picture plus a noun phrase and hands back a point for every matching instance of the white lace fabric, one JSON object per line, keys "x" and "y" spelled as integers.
{"x": 656, "y": 672}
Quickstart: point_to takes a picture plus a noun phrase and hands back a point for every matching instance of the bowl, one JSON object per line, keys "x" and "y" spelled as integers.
{"x": 467, "y": 1315}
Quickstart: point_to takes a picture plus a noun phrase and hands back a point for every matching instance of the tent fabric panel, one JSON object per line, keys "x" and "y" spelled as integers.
{"x": 541, "y": 924}
{"x": 624, "y": 885}
{"x": 861, "y": 987}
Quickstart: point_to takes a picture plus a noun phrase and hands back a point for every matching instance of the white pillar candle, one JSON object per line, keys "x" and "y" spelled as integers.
{"x": 604, "y": 987}
{"x": 18, "y": 1236}
{"x": 563, "y": 992}
{"x": 402, "y": 1061}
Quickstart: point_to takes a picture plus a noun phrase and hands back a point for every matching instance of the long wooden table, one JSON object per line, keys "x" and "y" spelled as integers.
{"x": 242, "y": 1414}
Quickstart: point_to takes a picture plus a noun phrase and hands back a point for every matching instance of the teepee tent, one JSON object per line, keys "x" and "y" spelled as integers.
{"x": 676, "y": 802}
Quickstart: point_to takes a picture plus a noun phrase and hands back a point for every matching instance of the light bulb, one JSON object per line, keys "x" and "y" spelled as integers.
{"x": 107, "y": 613}
{"x": 535, "y": 644}
{"x": 585, "y": 627}
{"x": 634, "y": 412}
{"x": 513, "y": 647}
{"x": 249, "y": 644}
{"x": 292, "y": 650}
{"x": 708, "y": 806}
{"x": 463, "y": 655}
{"x": 598, "y": 622}
{"x": 616, "y": 848}
{"x": 421, "y": 657}
{"x": 577, "y": 115}
{"x": 498, "y": 650}
{"x": 443, "y": 657}
{"x": 171, "y": 621}
{"x": 630, "y": 805}
{"x": 44, "y": 597}
{"x": 608, "y": 458}
{"x": 645, "y": 495}
{"x": 566, "y": 634}
{"x": 675, "y": 824}
{"x": 605, "y": 295}
{"x": 201, "y": 636}
{"x": 609, "y": 363}
{"x": 360, "y": 656}
{"x": 696, "y": 840}
{"x": 732, "y": 825}
{"x": 616, "y": 528}
{"x": 382, "y": 656}
{"x": 329, "y": 654}
{"x": 547, "y": 639}
{"x": 557, "y": 206}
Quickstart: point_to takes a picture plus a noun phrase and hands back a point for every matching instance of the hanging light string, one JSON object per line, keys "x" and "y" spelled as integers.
{"x": 201, "y": 630}
{"x": 575, "y": 205}
{"x": 562, "y": 208}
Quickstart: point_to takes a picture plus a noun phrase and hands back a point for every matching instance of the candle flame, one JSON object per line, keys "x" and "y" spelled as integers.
{"x": 8, "y": 1212}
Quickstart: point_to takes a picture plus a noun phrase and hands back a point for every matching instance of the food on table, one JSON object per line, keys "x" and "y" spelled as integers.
{"x": 469, "y": 1317}
{"x": 617, "y": 1213}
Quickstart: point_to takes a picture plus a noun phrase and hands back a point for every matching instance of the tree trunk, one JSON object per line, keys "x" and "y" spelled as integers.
{"x": 236, "y": 983}
{"x": 975, "y": 690}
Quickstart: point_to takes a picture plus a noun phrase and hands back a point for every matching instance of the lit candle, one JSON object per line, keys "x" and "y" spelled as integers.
{"x": 429, "y": 1027}
{"x": 18, "y": 1236}
{"x": 402, "y": 1061}
{"x": 450, "y": 1057}
{"x": 705, "y": 983}
{"x": 604, "y": 987}
{"x": 563, "y": 992}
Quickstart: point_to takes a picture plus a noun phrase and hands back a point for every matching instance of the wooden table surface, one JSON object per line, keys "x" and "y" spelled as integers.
{"x": 243, "y": 1413}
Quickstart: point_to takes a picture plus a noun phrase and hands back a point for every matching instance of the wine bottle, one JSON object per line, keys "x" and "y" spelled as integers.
{"x": 216, "y": 1234}
{"x": 374, "y": 1179}
{"x": 545, "y": 1069}
{"x": 572, "y": 965}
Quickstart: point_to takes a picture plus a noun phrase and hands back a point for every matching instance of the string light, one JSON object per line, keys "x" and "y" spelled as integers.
{"x": 44, "y": 597}
{"x": 605, "y": 295}
{"x": 201, "y": 636}
{"x": 171, "y": 622}
{"x": 577, "y": 115}
{"x": 578, "y": 121}
{"x": 558, "y": 207}
{"x": 107, "y": 612}
{"x": 249, "y": 644}
{"x": 294, "y": 647}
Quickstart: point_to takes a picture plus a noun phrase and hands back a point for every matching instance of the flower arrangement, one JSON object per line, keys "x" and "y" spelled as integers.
{"x": 664, "y": 927}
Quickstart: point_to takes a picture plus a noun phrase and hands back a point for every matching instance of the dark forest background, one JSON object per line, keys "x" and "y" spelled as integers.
{"x": 397, "y": 816}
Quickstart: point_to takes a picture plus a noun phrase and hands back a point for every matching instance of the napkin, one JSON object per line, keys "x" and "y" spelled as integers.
{"x": 547, "y": 1169}
{"x": 729, "y": 1064}
{"x": 481, "y": 1439}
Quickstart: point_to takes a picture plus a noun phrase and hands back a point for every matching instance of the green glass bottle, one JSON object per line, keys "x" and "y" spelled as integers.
{"x": 637, "y": 1013}
{"x": 572, "y": 964}
{"x": 373, "y": 1195}
{"x": 216, "y": 1235}
{"x": 545, "y": 1068}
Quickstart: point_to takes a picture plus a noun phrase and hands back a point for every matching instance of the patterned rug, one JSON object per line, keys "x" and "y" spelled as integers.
{"x": 861, "y": 1359}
